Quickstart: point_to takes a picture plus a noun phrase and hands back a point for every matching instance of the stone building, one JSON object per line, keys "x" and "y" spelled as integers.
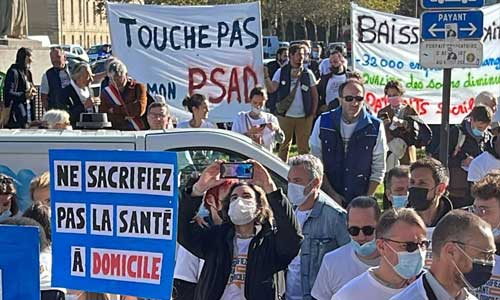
{"x": 68, "y": 21}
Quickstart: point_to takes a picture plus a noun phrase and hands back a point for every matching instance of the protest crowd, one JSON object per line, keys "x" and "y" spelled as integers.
{"x": 434, "y": 235}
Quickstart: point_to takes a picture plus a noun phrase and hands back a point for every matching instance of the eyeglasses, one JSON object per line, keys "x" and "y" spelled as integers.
{"x": 351, "y": 98}
{"x": 367, "y": 230}
{"x": 412, "y": 246}
{"x": 488, "y": 254}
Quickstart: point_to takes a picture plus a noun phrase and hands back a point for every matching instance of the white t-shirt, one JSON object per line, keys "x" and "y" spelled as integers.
{"x": 365, "y": 286}
{"x": 235, "y": 288}
{"x": 296, "y": 109}
{"x": 204, "y": 124}
{"x": 187, "y": 266}
{"x": 346, "y": 131}
{"x": 338, "y": 268}
{"x": 491, "y": 289}
{"x": 83, "y": 94}
{"x": 324, "y": 67}
{"x": 293, "y": 278}
{"x": 46, "y": 269}
{"x": 332, "y": 86}
{"x": 482, "y": 165}
{"x": 63, "y": 76}
{"x": 416, "y": 291}
{"x": 243, "y": 121}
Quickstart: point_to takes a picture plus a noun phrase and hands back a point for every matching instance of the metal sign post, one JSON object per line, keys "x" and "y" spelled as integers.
{"x": 445, "y": 118}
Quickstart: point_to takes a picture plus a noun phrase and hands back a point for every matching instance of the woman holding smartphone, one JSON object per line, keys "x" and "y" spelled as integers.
{"x": 242, "y": 256}
{"x": 262, "y": 127}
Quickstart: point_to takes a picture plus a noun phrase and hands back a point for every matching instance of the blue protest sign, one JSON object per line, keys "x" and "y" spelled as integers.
{"x": 456, "y": 4}
{"x": 452, "y": 24}
{"x": 19, "y": 262}
{"x": 114, "y": 221}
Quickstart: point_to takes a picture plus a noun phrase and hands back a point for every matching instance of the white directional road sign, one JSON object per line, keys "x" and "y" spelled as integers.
{"x": 451, "y": 54}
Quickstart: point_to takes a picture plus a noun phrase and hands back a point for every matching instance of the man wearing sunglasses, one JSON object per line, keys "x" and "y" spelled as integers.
{"x": 401, "y": 243}
{"x": 351, "y": 260}
{"x": 486, "y": 193}
{"x": 462, "y": 250}
{"x": 352, "y": 144}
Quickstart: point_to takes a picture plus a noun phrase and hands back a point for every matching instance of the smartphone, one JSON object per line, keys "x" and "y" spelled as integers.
{"x": 236, "y": 170}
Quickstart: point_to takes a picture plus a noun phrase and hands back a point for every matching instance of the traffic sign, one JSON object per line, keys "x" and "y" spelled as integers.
{"x": 452, "y": 24}
{"x": 451, "y": 54}
{"x": 456, "y": 4}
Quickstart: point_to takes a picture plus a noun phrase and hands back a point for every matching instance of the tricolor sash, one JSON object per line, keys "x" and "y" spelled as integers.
{"x": 113, "y": 94}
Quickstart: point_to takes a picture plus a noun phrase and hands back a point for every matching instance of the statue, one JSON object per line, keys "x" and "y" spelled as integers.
{"x": 13, "y": 18}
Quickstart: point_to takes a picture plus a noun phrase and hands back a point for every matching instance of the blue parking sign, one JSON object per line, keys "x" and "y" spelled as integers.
{"x": 438, "y": 25}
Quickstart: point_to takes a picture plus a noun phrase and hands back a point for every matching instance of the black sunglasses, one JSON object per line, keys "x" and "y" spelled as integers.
{"x": 412, "y": 246}
{"x": 367, "y": 230}
{"x": 351, "y": 98}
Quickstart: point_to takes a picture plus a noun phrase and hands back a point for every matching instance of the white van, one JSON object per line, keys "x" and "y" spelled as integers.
{"x": 24, "y": 153}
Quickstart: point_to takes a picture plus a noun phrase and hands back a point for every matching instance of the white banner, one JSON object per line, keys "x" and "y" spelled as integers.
{"x": 386, "y": 46}
{"x": 181, "y": 50}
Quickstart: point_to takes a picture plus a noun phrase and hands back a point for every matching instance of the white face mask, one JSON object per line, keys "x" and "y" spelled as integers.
{"x": 5, "y": 215}
{"x": 242, "y": 211}
{"x": 296, "y": 193}
{"x": 256, "y": 110}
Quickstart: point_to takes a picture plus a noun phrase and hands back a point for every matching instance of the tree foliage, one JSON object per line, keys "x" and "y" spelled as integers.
{"x": 280, "y": 13}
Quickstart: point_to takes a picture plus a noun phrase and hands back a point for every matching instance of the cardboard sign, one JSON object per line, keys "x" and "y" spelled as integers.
{"x": 114, "y": 219}
{"x": 19, "y": 262}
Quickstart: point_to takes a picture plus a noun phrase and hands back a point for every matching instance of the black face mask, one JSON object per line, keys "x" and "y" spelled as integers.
{"x": 417, "y": 198}
{"x": 479, "y": 275}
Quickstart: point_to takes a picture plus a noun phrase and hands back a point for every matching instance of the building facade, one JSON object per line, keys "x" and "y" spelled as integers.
{"x": 68, "y": 21}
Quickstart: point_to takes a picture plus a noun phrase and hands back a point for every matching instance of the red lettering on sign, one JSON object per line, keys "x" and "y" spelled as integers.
{"x": 127, "y": 266}
{"x": 115, "y": 264}
{"x": 234, "y": 86}
{"x": 247, "y": 72}
{"x": 131, "y": 260}
{"x": 96, "y": 263}
{"x": 219, "y": 84}
{"x": 197, "y": 78}
{"x": 156, "y": 268}
{"x": 192, "y": 73}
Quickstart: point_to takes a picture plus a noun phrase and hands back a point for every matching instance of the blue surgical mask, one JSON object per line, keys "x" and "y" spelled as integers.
{"x": 399, "y": 201}
{"x": 496, "y": 232}
{"x": 477, "y": 132}
{"x": 5, "y": 215}
{"x": 366, "y": 249}
{"x": 409, "y": 264}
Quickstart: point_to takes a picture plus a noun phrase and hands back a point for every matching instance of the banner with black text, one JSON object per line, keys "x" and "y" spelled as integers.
{"x": 179, "y": 50}
{"x": 386, "y": 46}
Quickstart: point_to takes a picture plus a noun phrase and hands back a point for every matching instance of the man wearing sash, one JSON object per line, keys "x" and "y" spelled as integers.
{"x": 124, "y": 99}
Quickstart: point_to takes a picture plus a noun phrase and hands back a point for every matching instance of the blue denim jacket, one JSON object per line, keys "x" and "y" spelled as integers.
{"x": 324, "y": 230}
